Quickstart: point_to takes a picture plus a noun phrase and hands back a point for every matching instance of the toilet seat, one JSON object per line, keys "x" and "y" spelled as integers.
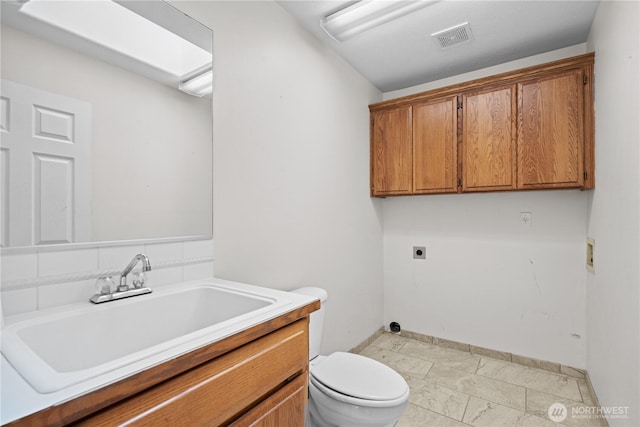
{"x": 358, "y": 380}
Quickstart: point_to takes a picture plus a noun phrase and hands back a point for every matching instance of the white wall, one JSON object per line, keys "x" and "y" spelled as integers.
{"x": 151, "y": 169}
{"x": 613, "y": 306}
{"x": 488, "y": 280}
{"x": 291, "y": 165}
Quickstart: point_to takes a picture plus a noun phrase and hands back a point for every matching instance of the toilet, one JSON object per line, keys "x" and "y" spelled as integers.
{"x": 349, "y": 390}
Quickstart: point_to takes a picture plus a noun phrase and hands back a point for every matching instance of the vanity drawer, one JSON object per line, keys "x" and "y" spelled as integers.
{"x": 219, "y": 391}
{"x": 286, "y": 407}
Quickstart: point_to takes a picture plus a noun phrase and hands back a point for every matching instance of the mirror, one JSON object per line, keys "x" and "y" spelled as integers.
{"x": 98, "y": 144}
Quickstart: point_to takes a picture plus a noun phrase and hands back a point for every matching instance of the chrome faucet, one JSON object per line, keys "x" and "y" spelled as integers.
{"x": 106, "y": 293}
{"x": 146, "y": 266}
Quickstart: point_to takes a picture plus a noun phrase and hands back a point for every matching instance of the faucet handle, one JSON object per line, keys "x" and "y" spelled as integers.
{"x": 105, "y": 285}
{"x": 139, "y": 279}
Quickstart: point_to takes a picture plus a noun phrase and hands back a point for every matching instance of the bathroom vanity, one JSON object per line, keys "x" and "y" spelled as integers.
{"x": 256, "y": 375}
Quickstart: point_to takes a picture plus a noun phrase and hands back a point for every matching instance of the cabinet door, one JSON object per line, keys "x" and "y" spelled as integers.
{"x": 435, "y": 150}
{"x": 391, "y": 152}
{"x": 489, "y": 140}
{"x": 551, "y": 132}
{"x": 286, "y": 407}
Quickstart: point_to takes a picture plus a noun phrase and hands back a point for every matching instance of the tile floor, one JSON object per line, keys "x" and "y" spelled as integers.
{"x": 456, "y": 388}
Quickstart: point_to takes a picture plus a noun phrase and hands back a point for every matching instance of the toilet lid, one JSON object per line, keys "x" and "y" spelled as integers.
{"x": 359, "y": 377}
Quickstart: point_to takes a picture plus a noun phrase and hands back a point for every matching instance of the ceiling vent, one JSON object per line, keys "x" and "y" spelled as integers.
{"x": 453, "y": 36}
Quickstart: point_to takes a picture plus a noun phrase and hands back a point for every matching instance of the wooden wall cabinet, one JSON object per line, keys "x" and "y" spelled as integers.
{"x": 489, "y": 139}
{"x": 391, "y": 151}
{"x": 524, "y": 130}
{"x": 435, "y": 151}
{"x": 551, "y": 131}
{"x": 414, "y": 148}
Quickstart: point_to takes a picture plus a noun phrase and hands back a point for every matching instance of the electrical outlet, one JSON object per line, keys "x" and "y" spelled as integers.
{"x": 525, "y": 218}
{"x": 419, "y": 252}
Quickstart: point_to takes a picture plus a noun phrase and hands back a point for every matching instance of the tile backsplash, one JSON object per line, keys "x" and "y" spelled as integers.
{"x": 44, "y": 277}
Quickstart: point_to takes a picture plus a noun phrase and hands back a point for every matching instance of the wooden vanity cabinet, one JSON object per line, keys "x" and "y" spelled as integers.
{"x": 215, "y": 393}
{"x": 283, "y": 408}
{"x": 257, "y": 377}
{"x": 528, "y": 129}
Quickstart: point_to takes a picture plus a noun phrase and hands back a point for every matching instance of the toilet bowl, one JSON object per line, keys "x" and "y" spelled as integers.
{"x": 350, "y": 390}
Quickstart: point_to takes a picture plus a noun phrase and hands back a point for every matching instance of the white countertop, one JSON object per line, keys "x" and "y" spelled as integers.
{"x": 18, "y": 399}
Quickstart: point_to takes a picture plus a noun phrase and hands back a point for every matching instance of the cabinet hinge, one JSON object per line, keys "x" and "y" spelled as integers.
{"x": 584, "y": 79}
{"x": 586, "y": 176}
{"x": 459, "y": 105}
{"x": 459, "y": 182}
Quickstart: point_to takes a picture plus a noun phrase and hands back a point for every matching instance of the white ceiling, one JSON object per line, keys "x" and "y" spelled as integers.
{"x": 402, "y": 53}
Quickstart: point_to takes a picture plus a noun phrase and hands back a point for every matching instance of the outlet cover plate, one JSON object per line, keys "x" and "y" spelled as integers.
{"x": 419, "y": 252}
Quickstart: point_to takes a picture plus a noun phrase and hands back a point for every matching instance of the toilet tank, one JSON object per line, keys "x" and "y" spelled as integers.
{"x": 316, "y": 319}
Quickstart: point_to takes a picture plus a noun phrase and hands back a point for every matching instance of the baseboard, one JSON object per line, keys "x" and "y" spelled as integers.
{"x": 366, "y": 342}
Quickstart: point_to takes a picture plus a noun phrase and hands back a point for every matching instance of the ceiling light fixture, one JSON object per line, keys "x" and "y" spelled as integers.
{"x": 134, "y": 36}
{"x": 367, "y": 14}
{"x": 200, "y": 85}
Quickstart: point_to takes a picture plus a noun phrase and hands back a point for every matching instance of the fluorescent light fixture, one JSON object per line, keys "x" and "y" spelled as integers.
{"x": 200, "y": 85}
{"x": 367, "y": 14}
{"x": 111, "y": 25}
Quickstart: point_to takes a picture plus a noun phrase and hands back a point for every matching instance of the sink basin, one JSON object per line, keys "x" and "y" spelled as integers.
{"x": 63, "y": 348}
